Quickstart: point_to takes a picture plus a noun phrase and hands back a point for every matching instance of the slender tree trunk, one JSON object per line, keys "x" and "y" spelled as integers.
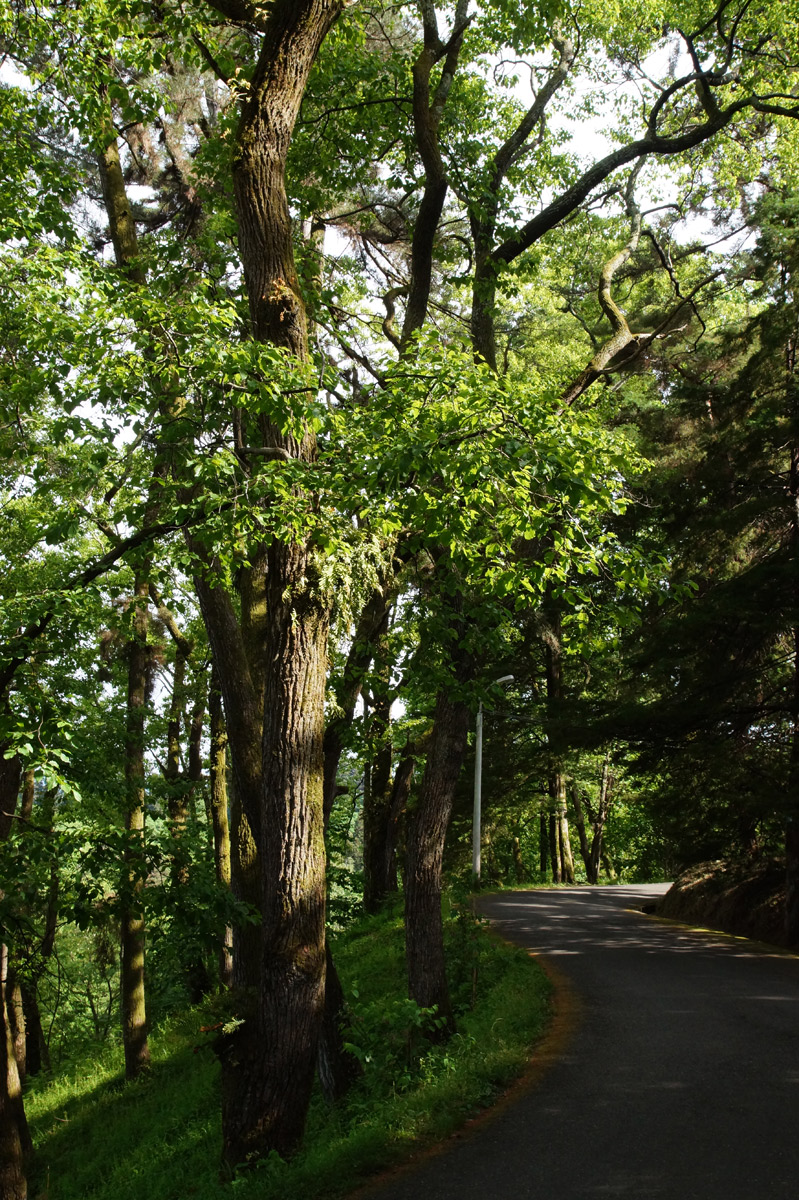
{"x": 792, "y": 815}
{"x": 37, "y": 1052}
{"x": 28, "y": 794}
{"x": 424, "y": 946}
{"x": 177, "y": 797}
{"x": 400, "y": 795}
{"x": 219, "y": 818}
{"x": 134, "y": 1015}
{"x": 543, "y": 843}
{"x": 17, "y": 1024}
{"x": 338, "y": 1068}
{"x": 603, "y": 808}
{"x": 564, "y": 844}
{"x": 15, "y": 1141}
{"x": 14, "y": 1136}
{"x": 518, "y": 861}
{"x": 585, "y": 851}
{"x": 562, "y": 861}
{"x": 554, "y": 850}
{"x": 377, "y": 809}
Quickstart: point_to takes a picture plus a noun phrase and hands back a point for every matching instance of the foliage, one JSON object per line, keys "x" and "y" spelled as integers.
{"x": 91, "y": 1129}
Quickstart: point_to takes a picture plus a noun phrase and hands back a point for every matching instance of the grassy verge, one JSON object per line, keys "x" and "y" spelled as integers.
{"x": 98, "y": 1139}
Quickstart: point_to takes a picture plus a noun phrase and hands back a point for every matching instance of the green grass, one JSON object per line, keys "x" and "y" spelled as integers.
{"x": 99, "y": 1139}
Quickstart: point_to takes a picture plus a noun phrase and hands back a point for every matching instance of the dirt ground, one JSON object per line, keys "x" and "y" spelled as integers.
{"x": 745, "y": 898}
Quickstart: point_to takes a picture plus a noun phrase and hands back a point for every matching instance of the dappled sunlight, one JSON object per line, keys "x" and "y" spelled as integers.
{"x": 573, "y": 921}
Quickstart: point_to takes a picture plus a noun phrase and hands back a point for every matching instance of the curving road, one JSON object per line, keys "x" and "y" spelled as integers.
{"x": 676, "y": 1072}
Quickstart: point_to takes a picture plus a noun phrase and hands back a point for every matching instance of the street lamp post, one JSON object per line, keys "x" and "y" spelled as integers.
{"x": 478, "y": 784}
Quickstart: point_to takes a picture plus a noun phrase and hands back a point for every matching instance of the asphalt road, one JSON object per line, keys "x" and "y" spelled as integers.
{"x": 675, "y": 1071}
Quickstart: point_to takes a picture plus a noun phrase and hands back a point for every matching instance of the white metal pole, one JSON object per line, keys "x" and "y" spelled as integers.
{"x": 478, "y": 786}
{"x": 477, "y": 816}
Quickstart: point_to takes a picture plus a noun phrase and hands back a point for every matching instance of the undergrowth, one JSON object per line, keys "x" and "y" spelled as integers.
{"x": 98, "y": 1138}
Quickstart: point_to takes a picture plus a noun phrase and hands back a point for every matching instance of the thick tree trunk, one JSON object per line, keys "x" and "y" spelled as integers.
{"x": 134, "y": 1015}
{"x": 268, "y": 1064}
{"x": 424, "y": 946}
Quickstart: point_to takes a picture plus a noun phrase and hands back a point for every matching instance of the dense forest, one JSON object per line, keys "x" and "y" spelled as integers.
{"x": 366, "y": 367}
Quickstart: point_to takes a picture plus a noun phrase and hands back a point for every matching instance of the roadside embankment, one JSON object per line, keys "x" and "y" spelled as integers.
{"x": 745, "y": 897}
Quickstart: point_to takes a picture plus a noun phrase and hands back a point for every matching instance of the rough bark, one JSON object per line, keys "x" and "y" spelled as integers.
{"x": 562, "y": 860}
{"x": 37, "y": 1051}
{"x": 28, "y": 794}
{"x": 16, "y": 1019}
{"x": 268, "y": 1063}
{"x": 400, "y": 794}
{"x": 792, "y": 813}
{"x": 338, "y": 1068}
{"x": 543, "y": 843}
{"x": 14, "y": 1137}
{"x": 15, "y": 1141}
{"x": 377, "y": 788}
{"x": 585, "y": 849}
{"x": 554, "y": 850}
{"x": 134, "y": 1015}
{"x": 598, "y": 824}
{"x": 424, "y": 947}
{"x": 10, "y": 778}
{"x": 219, "y": 817}
{"x": 370, "y": 627}
{"x": 177, "y": 797}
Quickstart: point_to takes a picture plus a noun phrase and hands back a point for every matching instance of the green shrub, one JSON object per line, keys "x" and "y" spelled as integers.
{"x": 99, "y": 1139}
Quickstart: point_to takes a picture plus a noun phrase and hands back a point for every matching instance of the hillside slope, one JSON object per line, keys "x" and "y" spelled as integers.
{"x": 746, "y": 898}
